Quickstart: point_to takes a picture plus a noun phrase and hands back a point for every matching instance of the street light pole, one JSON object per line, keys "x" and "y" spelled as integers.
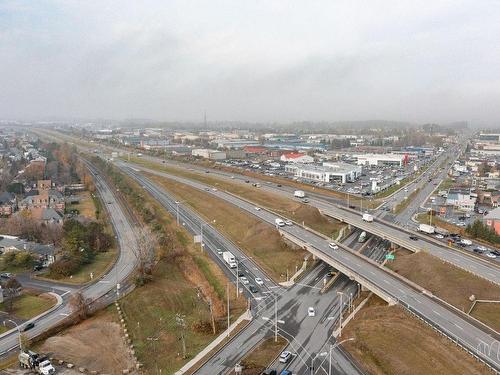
{"x": 340, "y": 313}
{"x": 18, "y": 330}
{"x": 275, "y": 319}
{"x": 330, "y": 353}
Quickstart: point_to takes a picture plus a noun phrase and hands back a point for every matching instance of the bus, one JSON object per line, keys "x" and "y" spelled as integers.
{"x": 362, "y": 237}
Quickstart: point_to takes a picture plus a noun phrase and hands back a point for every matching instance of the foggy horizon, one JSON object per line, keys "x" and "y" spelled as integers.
{"x": 265, "y": 62}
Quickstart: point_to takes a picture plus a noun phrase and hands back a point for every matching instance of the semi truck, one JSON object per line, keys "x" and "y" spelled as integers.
{"x": 299, "y": 194}
{"x": 229, "y": 259}
{"x": 34, "y": 361}
{"x": 368, "y": 218}
{"x": 425, "y": 228}
{"x": 279, "y": 222}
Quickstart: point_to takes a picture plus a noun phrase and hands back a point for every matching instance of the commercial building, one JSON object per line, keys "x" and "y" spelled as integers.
{"x": 209, "y": 154}
{"x": 328, "y": 172}
{"x": 380, "y": 159}
{"x": 296, "y": 157}
{"x": 154, "y": 144}
{"x": 461, "y": 199}
{"x": 492, "y": 219}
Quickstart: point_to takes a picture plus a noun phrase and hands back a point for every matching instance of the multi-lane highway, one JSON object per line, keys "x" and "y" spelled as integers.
{"x": 306, "y": 335}
{"x": 454, "y": 325}
{"x": 103, "y": 287}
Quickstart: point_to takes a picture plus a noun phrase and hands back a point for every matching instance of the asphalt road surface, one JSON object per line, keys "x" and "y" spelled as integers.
{"x": 453, "y": 325}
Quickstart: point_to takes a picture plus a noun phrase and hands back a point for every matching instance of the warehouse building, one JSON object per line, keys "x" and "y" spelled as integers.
{"x": 209, "y": 154}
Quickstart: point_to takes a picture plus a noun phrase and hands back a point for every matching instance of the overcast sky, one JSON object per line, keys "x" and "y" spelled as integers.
{"x": 254, "y": 60}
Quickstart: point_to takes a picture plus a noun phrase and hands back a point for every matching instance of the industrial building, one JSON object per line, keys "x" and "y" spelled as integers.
{"x": 296, "y": 157}
{"x": 380, "y": 159}
{"x": 209, "y": 154}
{"x": 328, "y": 172}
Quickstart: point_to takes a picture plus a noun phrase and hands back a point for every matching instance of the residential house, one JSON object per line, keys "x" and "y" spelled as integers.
{"x": 8, "y": 203}
{"x": 43, "y": 199}
{"x": 45, "y": 253}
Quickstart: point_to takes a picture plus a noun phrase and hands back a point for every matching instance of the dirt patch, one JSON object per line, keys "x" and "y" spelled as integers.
{"x": 446, "y": 281}
{"x": 95, "y": 344}
{"x": 390, "y": 341}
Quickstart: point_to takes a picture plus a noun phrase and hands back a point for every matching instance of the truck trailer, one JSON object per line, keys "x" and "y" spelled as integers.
{"x": 299, "y": 194}
{"x": 368, "y": 218}
{"x": 429, "y": 229}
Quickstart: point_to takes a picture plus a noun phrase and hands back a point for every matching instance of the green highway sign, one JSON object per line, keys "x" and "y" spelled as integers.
{"x": 389, "y": 256}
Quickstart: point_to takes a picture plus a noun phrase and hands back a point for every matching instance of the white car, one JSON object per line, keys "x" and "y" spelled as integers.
{"x": 232, "y": 177}
{"x": 257, "y": 208}
{"x": 219, "y": 251}
{"x": 244, "y": 280}
{"x": 214, "y": 189}
{"x": 311, "y": 311}
{"x": 491, "y": 255}
{"x": 259, "y": 281}
{"x": 232, "y": 265}
{"x": 285, "y": 356}
{"x": 333, "y": 245}
{"x": 288, "y": 222}
{"x": 440, "y": 236}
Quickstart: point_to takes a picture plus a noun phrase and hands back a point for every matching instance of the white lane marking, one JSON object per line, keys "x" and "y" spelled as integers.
{"x": 62, "y": 295}
{"x": 435, "y": 312}
{"x": 458, "y": 326}
{"x": 64, "y": 314}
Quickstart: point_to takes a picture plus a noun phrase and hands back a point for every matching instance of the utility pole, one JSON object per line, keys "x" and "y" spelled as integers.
{"x": 275, "y": 319}
{"x": 237, "y": 278}
{"x": 211, "y": 314}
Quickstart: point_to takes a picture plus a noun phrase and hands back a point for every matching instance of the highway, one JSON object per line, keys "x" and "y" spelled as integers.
{"x": 105, "y": 286}
{"x": 306, "y": 334}
{"x": 456, "y": 327}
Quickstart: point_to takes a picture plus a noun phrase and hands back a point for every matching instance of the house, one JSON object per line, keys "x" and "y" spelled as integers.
{"x": 492, "y": 220}
{"x": 296, "y": 157}
{"x": 45, "y": 253}
{"x": 43, "y": 199}
{"x": 8, "y": 203}
{"x": 46, "y": 215}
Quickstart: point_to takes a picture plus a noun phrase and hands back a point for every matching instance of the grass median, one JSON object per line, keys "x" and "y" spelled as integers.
{"x": 387, "y": 340}
{"x": 255, "y": 362}
{"x": 29, "y": 304}
{"x": 449, "y": 283}
{"x": 289, "y": 207}
{"x": 258, "y": 240}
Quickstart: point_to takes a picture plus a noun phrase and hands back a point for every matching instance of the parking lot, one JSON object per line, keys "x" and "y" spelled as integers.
{"x": 386, "y": 176}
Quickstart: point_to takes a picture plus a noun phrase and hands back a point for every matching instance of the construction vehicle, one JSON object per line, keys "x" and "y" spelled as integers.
{"x": 37, "y": 362}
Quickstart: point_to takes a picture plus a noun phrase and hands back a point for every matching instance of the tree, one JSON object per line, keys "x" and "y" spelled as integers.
{"x": 80, "y": 305}
{"x": 145, "y": 252}
{"x": 12, "y": 288}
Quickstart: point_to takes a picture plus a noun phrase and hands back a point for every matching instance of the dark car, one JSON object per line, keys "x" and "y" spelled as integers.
{"x": 269, "y": 372}
{"x": 247, "y": 181}
{"x": 352, "y": 207}
{"x": 28, "y": 326}
{"x": 241, "y": 274}
{"x": 37, "y": 267}
{"x": 279, "y": 185}
{"x": 253, "y": 288}
{"x": 414, "y": 238}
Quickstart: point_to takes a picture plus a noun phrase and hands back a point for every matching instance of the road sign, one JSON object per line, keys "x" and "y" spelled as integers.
{"x": 197, "y": 238}
{"x": 389, "y": 256}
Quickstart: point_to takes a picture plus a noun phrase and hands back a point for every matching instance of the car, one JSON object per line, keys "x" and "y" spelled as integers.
{"x": 440, "y": 236}
{"x": 496, "y": 252}
{"x": 491, "y": 255}
{"x": 331, "y": 273}
{"x": 257, "y": 208}
{"x": 352, "y": 207}
{"x": 244, "y": 280}
{"x": 305, "y": 200}
{"x": 214, "y": 189}
{"x": 333, "y": 245}
{"x": 207, "y": 171}
{"x": 285, "y": 356}
{"x": 5, "y": 275}
{"x": 247, "y": 181}
{"x": 311, "y": 311}
{"x": 462, "y": 224}
{"x": 232, "y": 177}
{"x": 163, "y": 161}
{"x": 37, "y": 267}
{"x": 240, "y": 274}
{"x": 28, "y": 326}
{"x": 285, "y": 372}
{"x": 219, "y": 251}
{"x": 269, "y": 371}
{"x": 279, "y": 185}
{"x": 259, "y": 281}
{"x": 288, "y": 222}
{"x": 207, "y": 189}
{"x": 414, "y": 238}
{"x": 253, "y": 288}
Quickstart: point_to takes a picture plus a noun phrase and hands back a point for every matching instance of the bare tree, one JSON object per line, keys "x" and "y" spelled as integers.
{"x": 145, "y": 252}
{"x": 80, "y": 305}
{"x": 12, "y": 288}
